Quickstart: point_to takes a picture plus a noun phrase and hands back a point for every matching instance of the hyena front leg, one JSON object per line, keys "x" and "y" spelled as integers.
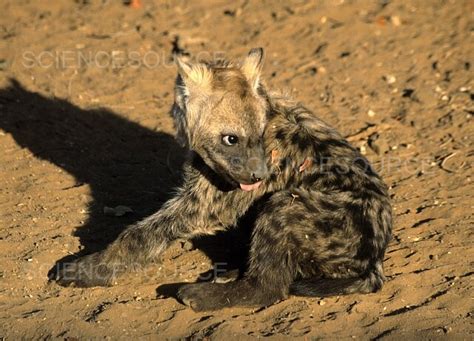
{"x": 137, "y": 245}
{"x": 184, "y": 216}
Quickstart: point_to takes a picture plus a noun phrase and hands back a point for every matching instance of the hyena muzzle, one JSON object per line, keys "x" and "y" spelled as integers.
{"x": 325, "y": 216}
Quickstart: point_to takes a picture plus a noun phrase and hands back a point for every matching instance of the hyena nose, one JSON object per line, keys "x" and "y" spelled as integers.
{"x": 257, "y": 169}
{"x": 259, "y": 174}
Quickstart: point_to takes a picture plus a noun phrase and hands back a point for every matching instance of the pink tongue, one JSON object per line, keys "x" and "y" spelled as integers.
{"x": 250, "y": 187}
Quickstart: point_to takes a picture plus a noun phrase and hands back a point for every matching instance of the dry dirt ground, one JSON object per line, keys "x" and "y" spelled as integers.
{"x": 85, "y": 89}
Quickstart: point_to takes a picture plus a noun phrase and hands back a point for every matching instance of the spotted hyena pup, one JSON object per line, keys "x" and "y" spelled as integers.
{"x": 324, "y": 219}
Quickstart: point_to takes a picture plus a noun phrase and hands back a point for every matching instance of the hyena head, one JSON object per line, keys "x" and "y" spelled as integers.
{"x": 221, "y": 116}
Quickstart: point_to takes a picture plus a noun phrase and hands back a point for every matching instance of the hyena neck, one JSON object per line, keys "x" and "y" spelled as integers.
{"x": 216, "y": 180}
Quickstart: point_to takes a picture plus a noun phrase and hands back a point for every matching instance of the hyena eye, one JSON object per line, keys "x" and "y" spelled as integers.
{"x": 230, "y": 140}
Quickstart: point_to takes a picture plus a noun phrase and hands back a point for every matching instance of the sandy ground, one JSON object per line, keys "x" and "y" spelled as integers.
{"x": 85, "y": 89}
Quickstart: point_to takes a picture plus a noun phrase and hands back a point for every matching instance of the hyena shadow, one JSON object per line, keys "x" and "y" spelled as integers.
{"x": 122, "y": 162}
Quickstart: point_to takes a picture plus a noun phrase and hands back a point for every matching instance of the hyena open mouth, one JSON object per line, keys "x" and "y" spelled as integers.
{"x": 325, "y": 217}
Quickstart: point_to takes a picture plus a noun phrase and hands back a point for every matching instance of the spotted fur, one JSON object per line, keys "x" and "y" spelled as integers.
{"x": 324, "y": 217}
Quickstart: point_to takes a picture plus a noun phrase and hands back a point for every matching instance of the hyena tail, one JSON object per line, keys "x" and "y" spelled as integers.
{"x": 324, "y": 287}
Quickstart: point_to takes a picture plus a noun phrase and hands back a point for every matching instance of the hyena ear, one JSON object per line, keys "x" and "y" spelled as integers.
{"x": 195, "y": 76}
{"x": 252, "y": 66}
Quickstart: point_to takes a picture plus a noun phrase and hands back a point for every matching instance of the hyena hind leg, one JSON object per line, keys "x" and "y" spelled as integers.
{"x": 303, "y": 243}
{"x": 272, "y": 266}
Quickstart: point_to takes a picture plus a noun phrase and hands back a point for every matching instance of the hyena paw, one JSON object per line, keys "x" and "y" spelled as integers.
{"x": 213, "y": 296}
{"x": 87, "y": 271}
{"x": 201, "y": 296}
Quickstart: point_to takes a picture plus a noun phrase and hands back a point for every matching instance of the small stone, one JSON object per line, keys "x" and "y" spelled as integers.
{"x": 446, "y": 329}
{"x": 395, "y": 19}
{"x": 371, "y": 113}
{"x": 321, "y": 302}
{"x": 463, "y": 89}
{"x": 445, "y": 98}
{"x": 390, "y": 79}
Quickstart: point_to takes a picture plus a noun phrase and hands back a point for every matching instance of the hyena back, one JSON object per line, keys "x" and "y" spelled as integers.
{"x": 325, "y": 217}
